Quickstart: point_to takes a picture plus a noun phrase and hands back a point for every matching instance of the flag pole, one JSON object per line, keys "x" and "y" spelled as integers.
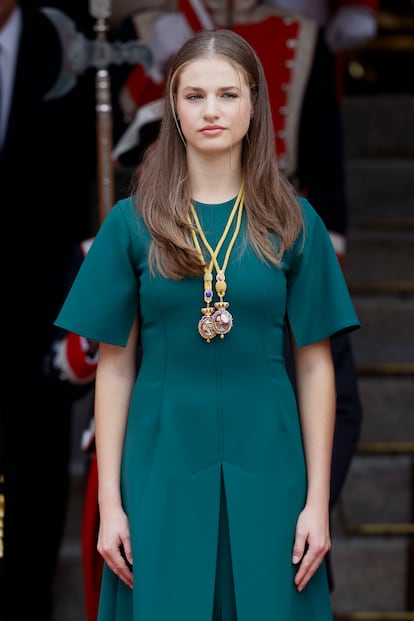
{"x": 101, "y": 11}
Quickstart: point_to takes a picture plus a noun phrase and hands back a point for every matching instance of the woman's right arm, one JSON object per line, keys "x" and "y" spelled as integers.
{"x": 115, "y": 379}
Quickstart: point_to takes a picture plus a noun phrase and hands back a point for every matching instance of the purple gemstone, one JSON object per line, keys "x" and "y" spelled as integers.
{"x": 208, "y": 293}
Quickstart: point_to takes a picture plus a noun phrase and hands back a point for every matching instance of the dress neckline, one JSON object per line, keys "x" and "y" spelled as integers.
{"x": 228, "y": 203}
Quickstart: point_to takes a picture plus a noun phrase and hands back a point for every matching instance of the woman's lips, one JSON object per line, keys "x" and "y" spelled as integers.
{"x": 212, "y": 130}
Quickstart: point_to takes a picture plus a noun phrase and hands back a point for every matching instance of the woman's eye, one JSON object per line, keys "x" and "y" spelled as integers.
{"x": 230, "y": 95}
{"x": 193, "y": 96}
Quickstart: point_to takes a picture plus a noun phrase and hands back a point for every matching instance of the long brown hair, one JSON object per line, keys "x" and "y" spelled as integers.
{"x": 163, "y": 190}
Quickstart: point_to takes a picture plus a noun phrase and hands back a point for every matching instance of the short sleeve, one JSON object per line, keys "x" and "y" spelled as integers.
{"x": 103, "y": 300}
{"x": 319, "y": 304}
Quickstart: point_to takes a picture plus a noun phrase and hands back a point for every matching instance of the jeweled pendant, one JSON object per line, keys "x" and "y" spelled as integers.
{"x": 206, "y": 324}
{"x": 222, "y": 319}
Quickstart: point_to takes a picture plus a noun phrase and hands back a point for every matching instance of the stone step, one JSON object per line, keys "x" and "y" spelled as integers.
{"x": 69, "y": 592}
{"x": 378, "y": 489}
{"x": 381, "y": 189}
{"x": 369, "y": 573}
{"x": 379, "y": 125}
{"x": 377, "y": 256}
{"x": 387, "y": 332}
{"x": 387, "y": 404}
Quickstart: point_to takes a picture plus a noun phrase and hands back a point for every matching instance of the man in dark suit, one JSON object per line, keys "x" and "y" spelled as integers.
{"x": 47, "y": 161}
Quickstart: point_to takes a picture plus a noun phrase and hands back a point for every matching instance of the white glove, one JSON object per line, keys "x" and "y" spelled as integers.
{"x": 168, "y": 33}
{"x": 349, "y": 27}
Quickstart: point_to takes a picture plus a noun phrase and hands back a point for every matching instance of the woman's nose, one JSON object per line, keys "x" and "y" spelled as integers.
{"x": 211, "y": 108}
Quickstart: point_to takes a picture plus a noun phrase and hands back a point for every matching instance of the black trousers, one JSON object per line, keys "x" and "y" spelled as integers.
{"x": 321, "y": 163}
{"x": 34, "y": 457}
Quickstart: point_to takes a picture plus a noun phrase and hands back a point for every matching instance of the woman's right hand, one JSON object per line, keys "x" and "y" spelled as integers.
{"x": 114, "y": 543}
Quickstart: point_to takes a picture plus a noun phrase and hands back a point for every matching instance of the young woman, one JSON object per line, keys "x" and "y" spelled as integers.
{"x": 213, "y": 479}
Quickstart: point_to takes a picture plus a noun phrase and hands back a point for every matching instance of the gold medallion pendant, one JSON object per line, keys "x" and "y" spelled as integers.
{"x": 222, "y": 319}
{"x": 216, "y": 320}
{"x": 206, "y": 324}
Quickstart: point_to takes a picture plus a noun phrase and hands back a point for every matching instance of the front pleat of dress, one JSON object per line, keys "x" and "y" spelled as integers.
{"x": 224, "y": 608}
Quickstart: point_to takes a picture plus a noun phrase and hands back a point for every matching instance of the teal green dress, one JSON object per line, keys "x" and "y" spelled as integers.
{"x": 211, "y": 418}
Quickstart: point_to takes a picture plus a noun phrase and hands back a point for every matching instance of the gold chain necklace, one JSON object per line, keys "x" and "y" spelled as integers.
{"x": 216, "y": 321}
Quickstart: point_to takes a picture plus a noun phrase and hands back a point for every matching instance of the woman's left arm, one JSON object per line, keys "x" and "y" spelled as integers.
{"x": 317, "y": 404}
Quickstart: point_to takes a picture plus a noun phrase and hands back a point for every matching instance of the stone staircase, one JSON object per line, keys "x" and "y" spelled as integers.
{"x": 373, "y": 523}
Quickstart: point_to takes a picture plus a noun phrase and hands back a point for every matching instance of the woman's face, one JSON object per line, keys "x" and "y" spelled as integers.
{"x": 213, "y": 105}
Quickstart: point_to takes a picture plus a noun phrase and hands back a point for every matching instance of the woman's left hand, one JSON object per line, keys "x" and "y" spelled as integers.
{"x": 312, "y": 542}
